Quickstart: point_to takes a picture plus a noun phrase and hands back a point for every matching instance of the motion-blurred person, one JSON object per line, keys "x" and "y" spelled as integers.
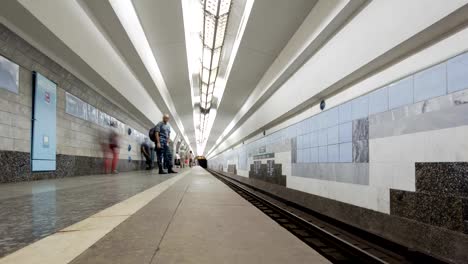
{"x": 161, "y": 136}
{"x": 113, "y": 152}
{"x": 146, "y": 151}
{"x": 177, "y": 159}
{"x": 191, "y": 158}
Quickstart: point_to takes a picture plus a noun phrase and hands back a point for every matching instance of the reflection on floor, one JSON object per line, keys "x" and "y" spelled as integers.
{"x": 33, "y": 210}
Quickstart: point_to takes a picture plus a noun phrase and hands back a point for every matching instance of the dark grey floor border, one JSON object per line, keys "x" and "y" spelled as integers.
{"x": 439, "y": 242}
{"x": 16, "y": 166}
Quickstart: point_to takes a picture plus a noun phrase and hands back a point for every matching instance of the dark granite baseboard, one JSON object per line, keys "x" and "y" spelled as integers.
{"x": 432, "y": 240}
{"x": 434, "y": 209}
{"x": 446, "y": 178}
{"x": 16, "y": 167}
{"x": 269, "y": 172}
{"x": 232, "y": 168}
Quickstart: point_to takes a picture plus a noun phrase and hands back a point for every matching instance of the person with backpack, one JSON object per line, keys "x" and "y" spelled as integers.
{"x": 160, "y": 134}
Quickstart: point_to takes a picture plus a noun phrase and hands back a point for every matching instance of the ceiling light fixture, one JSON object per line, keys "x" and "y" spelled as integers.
{"x": 215, "y": 19}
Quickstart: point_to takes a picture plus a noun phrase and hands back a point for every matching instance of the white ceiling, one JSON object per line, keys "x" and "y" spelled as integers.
{"x": 81, "y": 29}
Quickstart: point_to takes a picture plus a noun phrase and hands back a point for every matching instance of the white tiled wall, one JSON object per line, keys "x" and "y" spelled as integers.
{"x": 370, "y": 197}
{"x": 74, "y": 136}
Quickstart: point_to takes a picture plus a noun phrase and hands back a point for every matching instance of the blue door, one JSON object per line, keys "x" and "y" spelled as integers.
{"x": 44, "y": 124}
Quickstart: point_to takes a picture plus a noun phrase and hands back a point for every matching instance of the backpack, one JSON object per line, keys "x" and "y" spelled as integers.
{"x": 152, "y": 133}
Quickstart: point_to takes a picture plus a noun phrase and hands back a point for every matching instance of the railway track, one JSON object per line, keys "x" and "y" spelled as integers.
{"x": 337, "y": 243}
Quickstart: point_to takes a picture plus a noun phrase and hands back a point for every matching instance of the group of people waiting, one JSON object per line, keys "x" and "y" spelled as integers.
{"x": 160, "y": 135}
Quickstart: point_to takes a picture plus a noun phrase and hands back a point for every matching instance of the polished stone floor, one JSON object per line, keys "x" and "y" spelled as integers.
{"x": 33, "y": 210}
{"x": 199, "y": 220}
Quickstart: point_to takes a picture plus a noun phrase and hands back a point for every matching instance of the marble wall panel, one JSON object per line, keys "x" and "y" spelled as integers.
{"x": 455, "y": 116}
{"x": 356, "y": 173}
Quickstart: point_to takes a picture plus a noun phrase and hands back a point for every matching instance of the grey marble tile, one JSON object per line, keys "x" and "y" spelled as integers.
{"x": 446, "y": 118}
{"x": 294, "y": 150}
{"x": 355, "y": 173}
{"x": 361, "y": 151}
{"x": 361, "y": 129}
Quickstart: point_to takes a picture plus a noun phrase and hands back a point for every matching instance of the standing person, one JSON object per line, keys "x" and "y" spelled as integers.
{"x": 114, "y": 150}
{"x": 162, "y": 136}
{"x": 146, "y": 150}
{"x": 177, "y": 159}
{"x": 191, "y": 157}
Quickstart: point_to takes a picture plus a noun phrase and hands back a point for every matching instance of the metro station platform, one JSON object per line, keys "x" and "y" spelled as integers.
{"x": 139, "y": 217}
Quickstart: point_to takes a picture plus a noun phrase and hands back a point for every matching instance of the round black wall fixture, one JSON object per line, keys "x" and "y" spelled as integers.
{"x": 322, "y": 105}
{"x": 129, "y": 147}
{"x": 129, "y": 131}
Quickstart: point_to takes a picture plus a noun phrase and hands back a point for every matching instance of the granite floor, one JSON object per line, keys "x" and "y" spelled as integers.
{"x": 199, "y": 220}
{"x": 33, "y": 210}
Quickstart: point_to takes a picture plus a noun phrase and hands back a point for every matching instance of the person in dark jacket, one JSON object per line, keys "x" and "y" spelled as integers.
{"x": 162, "y": 136}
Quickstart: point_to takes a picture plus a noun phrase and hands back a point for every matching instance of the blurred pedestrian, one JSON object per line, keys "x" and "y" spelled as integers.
{"x": 113, "y": 152}
{"x": 191, "y": 158}
{"x": 146, "y": 151}
{"x": 177, "y": 160}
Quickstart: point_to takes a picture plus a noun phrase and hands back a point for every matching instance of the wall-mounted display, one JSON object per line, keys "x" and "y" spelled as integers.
{"x": 104, "y": 119}
{"x": 9, "y": 75}
{"x": 93, "y": 115}
{"x": 76, "y": 107}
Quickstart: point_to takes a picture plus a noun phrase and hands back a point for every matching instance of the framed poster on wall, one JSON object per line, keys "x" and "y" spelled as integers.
{"x": 9, "y": 75}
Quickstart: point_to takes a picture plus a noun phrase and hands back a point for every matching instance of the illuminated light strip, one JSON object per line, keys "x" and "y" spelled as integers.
{"x": 221, "y": 83}
{"x": 127, "y": 15}
{"x": 193, "y": 21}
